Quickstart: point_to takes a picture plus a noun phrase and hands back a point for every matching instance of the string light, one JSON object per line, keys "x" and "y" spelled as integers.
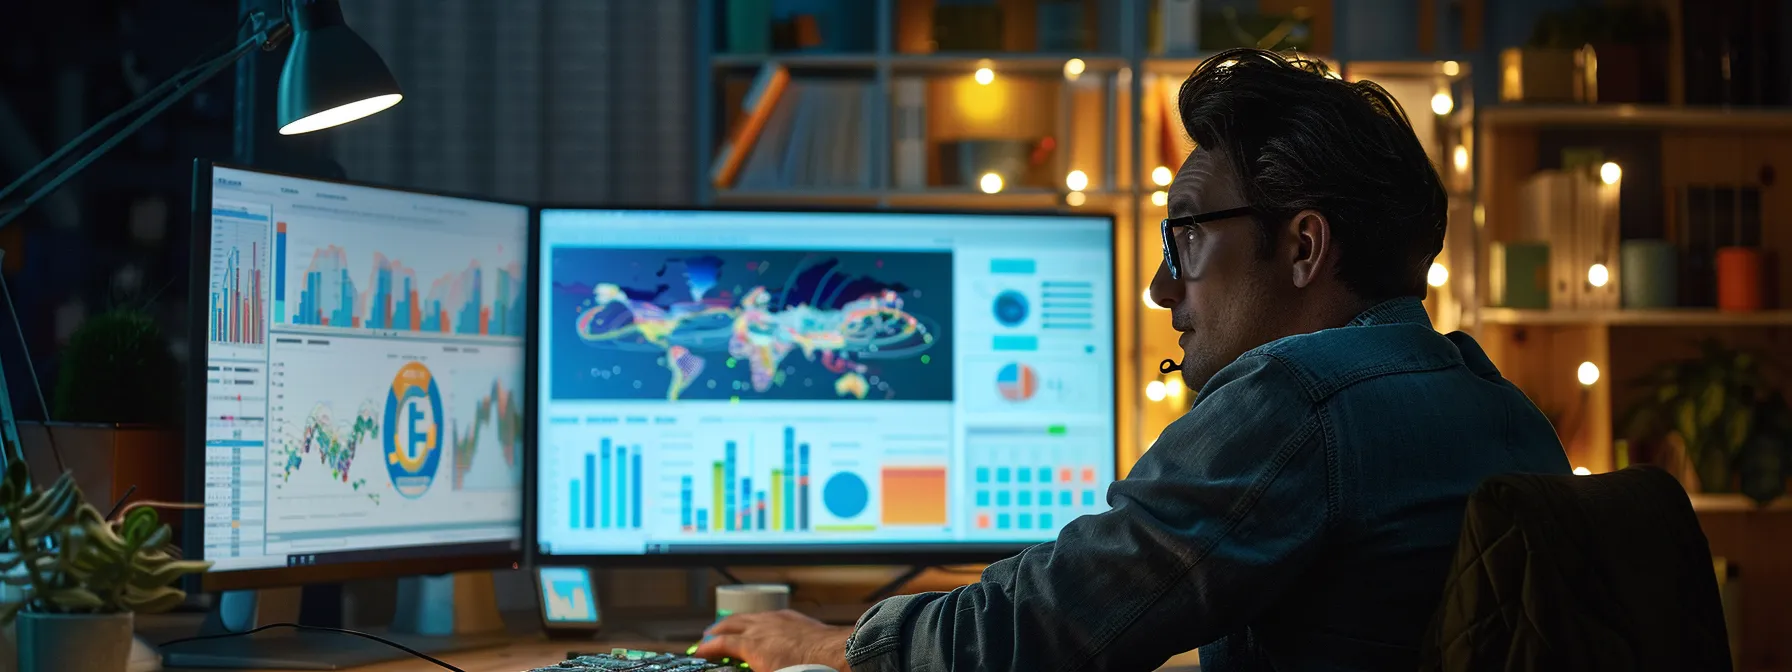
{"x": 1442, "y": 104}
{"x": 1073, "y": 68}
{"x": 1438, "y": 275}
{"x": 985, "y": 76}
{"x": 1155, "y": 390}
{"x": 991, "y": 183}
{"x": 1452, "y": 68}
{"x": 1162, "y": 175}
{"x": 1610, "y": 173}
{"x": 1460, "y": 158}
{"x": 1588, "y": 373}
{"x": 1160, "y": 198}
{"x": 1075, "y": 199}
{"x": 1077, "y": 180}
{"x": 1598, "y": 275}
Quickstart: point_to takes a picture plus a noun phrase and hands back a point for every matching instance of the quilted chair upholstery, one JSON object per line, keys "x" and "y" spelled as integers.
{"x": 1586, "y": 573}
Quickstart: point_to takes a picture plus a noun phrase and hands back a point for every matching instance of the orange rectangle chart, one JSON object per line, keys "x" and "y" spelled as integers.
{"x": 914, "y": 496}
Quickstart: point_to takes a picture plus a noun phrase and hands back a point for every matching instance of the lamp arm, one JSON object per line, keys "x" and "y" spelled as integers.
{"x": 267, "y": 36}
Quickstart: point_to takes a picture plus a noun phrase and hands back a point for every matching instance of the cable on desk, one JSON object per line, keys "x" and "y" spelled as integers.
{"x": 317, "y": 628}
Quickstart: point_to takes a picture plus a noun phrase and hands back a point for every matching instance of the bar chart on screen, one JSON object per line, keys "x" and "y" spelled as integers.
{"x": 238, "y": 293}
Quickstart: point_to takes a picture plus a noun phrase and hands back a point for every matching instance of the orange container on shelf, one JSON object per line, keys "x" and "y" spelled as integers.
{"x": 1738, "y": 279}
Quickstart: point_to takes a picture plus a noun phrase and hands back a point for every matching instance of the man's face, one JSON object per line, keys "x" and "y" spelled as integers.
{"x": 1224, "y": 303}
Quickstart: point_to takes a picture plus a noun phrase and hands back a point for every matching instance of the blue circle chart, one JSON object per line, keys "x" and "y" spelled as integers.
{"x": 845, "y": 495}
{"x": 1011, "y": 308}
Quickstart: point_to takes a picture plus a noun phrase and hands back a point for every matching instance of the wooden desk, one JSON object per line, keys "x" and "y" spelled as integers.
{"x": 531, "y": 653}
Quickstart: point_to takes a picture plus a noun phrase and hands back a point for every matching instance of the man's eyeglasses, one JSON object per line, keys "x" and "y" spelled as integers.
{"x": 1172, "y": 255}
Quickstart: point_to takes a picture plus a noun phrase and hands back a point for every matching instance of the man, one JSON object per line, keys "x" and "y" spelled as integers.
{"x": 1303, "y": 513}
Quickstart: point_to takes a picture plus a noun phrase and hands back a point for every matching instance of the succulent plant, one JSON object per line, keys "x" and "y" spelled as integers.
{"x": 66, "y": 558}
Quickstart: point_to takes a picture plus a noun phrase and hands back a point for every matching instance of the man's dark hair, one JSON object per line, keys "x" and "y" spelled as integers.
{"x": 1302, "y": 140}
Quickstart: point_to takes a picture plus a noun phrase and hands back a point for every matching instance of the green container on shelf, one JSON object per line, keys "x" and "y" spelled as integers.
{"x": 749, "y": 28}
{"x": 1520, "y": 275}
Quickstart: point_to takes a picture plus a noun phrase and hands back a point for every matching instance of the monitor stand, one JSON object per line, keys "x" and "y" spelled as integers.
{"x": 435, "y": 615}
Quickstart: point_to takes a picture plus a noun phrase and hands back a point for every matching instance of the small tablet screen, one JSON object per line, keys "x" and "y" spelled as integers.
{"x": 566, "y": 596}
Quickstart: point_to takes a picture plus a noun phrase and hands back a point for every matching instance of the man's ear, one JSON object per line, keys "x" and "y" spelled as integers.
{"x": 1309, "y": 246}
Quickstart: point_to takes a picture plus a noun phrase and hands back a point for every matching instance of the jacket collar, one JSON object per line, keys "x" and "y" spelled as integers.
{"x": 1402, "y": 310}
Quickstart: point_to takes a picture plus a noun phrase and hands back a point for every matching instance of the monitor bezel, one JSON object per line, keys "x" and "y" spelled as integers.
{"x": 193, "y": 536}
{"x": 891, "y": 553}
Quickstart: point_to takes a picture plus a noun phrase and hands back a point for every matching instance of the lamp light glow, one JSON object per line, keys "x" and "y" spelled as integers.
{"x": 1160, "y": 198}
{"x": 985, "y": 76}
{"x": 1077, "y": 180}
{"x": 991, "y": 183}
{"x": 332, "y": 76}
{"x": 1161, "y": 175}
{"x": 1073, "y": 68}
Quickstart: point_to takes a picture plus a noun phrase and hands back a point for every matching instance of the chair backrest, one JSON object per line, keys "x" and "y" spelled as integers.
{"x": 1580, "y": 572}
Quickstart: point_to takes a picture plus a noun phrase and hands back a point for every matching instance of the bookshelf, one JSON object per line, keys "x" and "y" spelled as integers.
{"x": 1108, "y": 110}
{"x": 1669, "y": 149}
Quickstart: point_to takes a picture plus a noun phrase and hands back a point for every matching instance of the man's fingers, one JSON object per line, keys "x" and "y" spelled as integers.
{"x": 731, "y": 625}
{"x": 719, "y": 647}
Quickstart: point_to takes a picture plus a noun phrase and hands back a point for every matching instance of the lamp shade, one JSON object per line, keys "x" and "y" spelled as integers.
{"x": 332, "y": 76}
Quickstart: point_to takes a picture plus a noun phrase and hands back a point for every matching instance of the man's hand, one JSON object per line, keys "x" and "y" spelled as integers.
{"x": 772, "y": 640}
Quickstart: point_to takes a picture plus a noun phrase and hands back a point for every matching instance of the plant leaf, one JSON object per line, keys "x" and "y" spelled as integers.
{"x": 151, "y": 601}
{"x": 75, "y": 599}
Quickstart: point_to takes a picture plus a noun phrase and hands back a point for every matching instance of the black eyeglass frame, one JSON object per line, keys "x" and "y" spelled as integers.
{"x": 1173, "y": 257}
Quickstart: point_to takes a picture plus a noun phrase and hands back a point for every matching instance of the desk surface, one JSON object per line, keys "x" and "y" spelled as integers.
{"x": 530, "y": 653}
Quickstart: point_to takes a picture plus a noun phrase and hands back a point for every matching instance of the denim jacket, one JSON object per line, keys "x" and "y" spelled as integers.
{"x": 1301, "y": 516}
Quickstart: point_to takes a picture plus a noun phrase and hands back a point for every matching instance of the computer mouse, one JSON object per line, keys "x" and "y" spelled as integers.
{"x": 806, "y": 668}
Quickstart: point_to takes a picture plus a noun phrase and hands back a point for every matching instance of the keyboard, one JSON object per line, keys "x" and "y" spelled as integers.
{"x": 630, "y": 660}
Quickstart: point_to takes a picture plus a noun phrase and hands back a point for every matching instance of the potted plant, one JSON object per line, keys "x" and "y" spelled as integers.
{"x": 1732, "y": 422}
{"x": 117, "y": 407}
{"x": 79, "y": 577}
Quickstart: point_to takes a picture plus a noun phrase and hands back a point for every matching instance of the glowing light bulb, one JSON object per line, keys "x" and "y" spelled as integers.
{"x": 1176, "y": 389}
{"x": 1077, "y": 180}
{"x": 1460, "y": 158}
{"x": 1150, "y": 303}
{"x": 1442, "y": 104}
{"x": 1452, "y": 68}
{"x": 991, "y": 183}
{"x": 1075, "y": 199}
{"x": 1073, "y": 68}
{"x": 985, "y": 76}
{"x": 1162, "y": 175}
{"x": 1438, "y": 275}
{"x": 1588, "y": 373}
{"x": 1598, "y": 275}
{"x": 1160, "y": 198}
{"x": 1610, "y": 173}
{"x": 1583, "y": 471}
{"x": 1155, "y": 390}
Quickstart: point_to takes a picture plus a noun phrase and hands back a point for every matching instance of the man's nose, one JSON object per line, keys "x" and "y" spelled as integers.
{"x": 1165, "y": 292}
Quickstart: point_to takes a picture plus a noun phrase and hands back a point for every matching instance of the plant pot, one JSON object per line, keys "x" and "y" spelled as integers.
{"x": 64, "y": 642}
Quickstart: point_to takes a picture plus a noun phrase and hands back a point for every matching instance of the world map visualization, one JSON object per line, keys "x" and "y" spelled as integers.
{"x": 751, "y": 324}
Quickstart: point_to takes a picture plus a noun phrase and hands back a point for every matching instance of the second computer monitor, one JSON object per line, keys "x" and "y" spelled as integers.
{"x": 725, "y": 386}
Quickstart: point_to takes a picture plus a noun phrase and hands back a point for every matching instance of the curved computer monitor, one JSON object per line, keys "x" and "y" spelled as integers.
{"x": 733, "y": 387}
{"x": 356, "y": 396}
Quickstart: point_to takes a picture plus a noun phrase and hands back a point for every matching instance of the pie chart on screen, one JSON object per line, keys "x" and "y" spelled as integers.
{"x": 1017, "y": 382}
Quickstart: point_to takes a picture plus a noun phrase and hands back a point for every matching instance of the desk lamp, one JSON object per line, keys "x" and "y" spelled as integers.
{"x": 331, "y": 77}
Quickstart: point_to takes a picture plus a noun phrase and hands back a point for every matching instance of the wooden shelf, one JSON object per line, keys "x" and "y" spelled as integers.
{"x": 1673, "y": 317}
{"x": 945, "y": 62}
{"x": 1734, "y": 119}
{"x": 939, "y": 197}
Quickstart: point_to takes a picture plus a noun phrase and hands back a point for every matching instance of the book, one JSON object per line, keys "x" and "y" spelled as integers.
{"x": 756, "y": 108}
